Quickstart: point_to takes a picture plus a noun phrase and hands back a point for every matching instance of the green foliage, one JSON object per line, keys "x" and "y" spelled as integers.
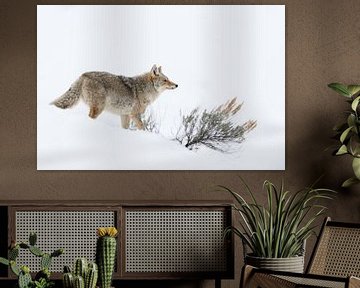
{"x": 91, "y": 276}
{"x": 214, "y": 129}
{"x": 85, "y": 274}
{"x": 13, "y": 253}
{"x": 79, "y": 282}
{"x": 43, "y": 283}
{"x": 57, "y": 252}
{"x": 348, "y": 132}
{"x": 36, "y": 251}
{"x": 32, "y": 239}
{"x": 45, "y": 261}
{"x": 81, "y": 266}
{"x": 105, "y": 259}
{"x": 14, "y": 268}
{"x": 279, "y": 229}
{"x": 68, "y": 280}
{"x": 42, "y": 278}
{"x": 24, "y": 280}
{"x": 44, "y": 273}
{"x": 4, "y": 261}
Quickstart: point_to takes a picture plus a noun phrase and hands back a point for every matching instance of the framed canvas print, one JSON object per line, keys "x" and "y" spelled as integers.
{"x": 158, "y": 87}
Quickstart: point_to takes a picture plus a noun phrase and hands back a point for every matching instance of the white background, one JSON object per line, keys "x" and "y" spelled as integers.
{"x": 214, "y": 53}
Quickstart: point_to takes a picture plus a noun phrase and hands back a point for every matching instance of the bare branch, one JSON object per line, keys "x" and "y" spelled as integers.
{"x": 150, "y": 123}
{"x": 214, "y": 129}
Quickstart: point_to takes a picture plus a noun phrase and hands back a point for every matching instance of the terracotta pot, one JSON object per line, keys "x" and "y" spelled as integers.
{"x": 291, "y": 264}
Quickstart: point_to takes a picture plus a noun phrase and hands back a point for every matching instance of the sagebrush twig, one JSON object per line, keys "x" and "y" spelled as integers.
{"x": 213, "y": 129}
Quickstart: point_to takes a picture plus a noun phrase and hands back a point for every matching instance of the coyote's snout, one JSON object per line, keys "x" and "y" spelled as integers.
{"x": 125, "y": 96}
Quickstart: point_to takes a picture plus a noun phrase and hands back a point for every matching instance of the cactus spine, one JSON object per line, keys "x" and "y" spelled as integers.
{"x": 106, "y": 254}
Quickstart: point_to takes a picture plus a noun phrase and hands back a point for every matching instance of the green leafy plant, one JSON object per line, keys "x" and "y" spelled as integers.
{"x": 43, "y": 283}
{"x": 348, "y": 132}
{"x": 279, "y": 229}
{"x": 42, "y": 278}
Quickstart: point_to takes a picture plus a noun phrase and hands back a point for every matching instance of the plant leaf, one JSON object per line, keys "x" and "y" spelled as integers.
{"x": 356, "y": 167}
{"x": 4, "y": 261}
{"x": 353, "y": 89}
{"x": 354, "y": 145}
{"x": 14, "y": 268}
{"x": 345, "y": 134}
{"x": 355, "y": 103}
{"x": 349, "y": 182}
{"x": 342, "y": 150}
{"x": 340, "y": 89}
{"x": 351, "y": 120}
{"x": 280, "y": 227}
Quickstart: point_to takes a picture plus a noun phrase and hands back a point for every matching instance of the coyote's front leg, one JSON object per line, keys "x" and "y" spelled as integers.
{"x": 137, "y": 120}
{"x": 125, "y": 121}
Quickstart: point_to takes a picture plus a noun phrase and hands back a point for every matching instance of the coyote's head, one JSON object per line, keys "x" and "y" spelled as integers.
{"x": 161, "y": 82}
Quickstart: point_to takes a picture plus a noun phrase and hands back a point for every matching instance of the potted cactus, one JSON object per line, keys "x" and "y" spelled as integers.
{"x": 106, "y": 254}
{"x": 42, "y": 278}
{"x": 84, "y": 275}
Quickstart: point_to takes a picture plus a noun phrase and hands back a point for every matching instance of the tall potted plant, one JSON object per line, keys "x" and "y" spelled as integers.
{"x": 275, "y": 233}
{"x": 348, "y": 133}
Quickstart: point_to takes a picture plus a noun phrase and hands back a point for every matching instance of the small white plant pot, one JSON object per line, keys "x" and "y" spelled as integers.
{"x": 291, "y": 264}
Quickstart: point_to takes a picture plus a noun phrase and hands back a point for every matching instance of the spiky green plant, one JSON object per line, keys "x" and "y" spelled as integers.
{"x": 91, "y": 276}
{"x": 279, "y": 229}
{"x": 79, "y": 282}
{"x": 68, "y": 278}
{"x": 348, "y": 133}
{"x": 80, "y": 267}
{"x": 84, "y": 273}
{"x": 42, "y": 278}
{"x": 43, "y": 283}
{"x": 106, "y": 254}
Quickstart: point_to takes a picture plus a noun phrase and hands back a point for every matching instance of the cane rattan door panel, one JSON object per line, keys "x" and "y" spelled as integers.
{"x": 166, "y": 241}
{"x": 74, "y": 231}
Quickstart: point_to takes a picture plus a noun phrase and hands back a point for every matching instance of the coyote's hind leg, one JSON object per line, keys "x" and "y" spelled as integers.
{"x": 94, "y": 96}
{"x": 95, "y": 111}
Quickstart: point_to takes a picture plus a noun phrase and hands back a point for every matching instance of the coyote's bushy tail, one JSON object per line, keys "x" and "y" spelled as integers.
{"x": 70, "y": 97}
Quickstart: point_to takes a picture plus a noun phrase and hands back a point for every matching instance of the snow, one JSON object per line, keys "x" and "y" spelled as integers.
{"x": 215, "y": 55}
{"x": 102, "y": 145}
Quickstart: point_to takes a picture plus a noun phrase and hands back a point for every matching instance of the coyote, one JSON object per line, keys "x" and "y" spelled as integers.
{"x": 125, "y": 96}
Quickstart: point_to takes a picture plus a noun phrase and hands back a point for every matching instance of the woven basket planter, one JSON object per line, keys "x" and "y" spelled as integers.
{"x": 291, "y": 264}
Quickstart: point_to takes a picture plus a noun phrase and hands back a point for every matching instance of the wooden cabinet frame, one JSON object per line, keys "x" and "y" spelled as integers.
{"x": 120, "y": 209}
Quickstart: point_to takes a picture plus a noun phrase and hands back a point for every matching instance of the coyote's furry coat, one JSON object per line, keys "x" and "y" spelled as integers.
{"x": 124, "y": 96}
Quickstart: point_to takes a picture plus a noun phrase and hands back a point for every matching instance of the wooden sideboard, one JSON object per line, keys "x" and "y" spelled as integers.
{"x": 157, "y": 240}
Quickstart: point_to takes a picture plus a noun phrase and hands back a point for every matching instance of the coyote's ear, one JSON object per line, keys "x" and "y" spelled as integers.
{"x": 154, "y": 70}
{"x": 160, "y": 70}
